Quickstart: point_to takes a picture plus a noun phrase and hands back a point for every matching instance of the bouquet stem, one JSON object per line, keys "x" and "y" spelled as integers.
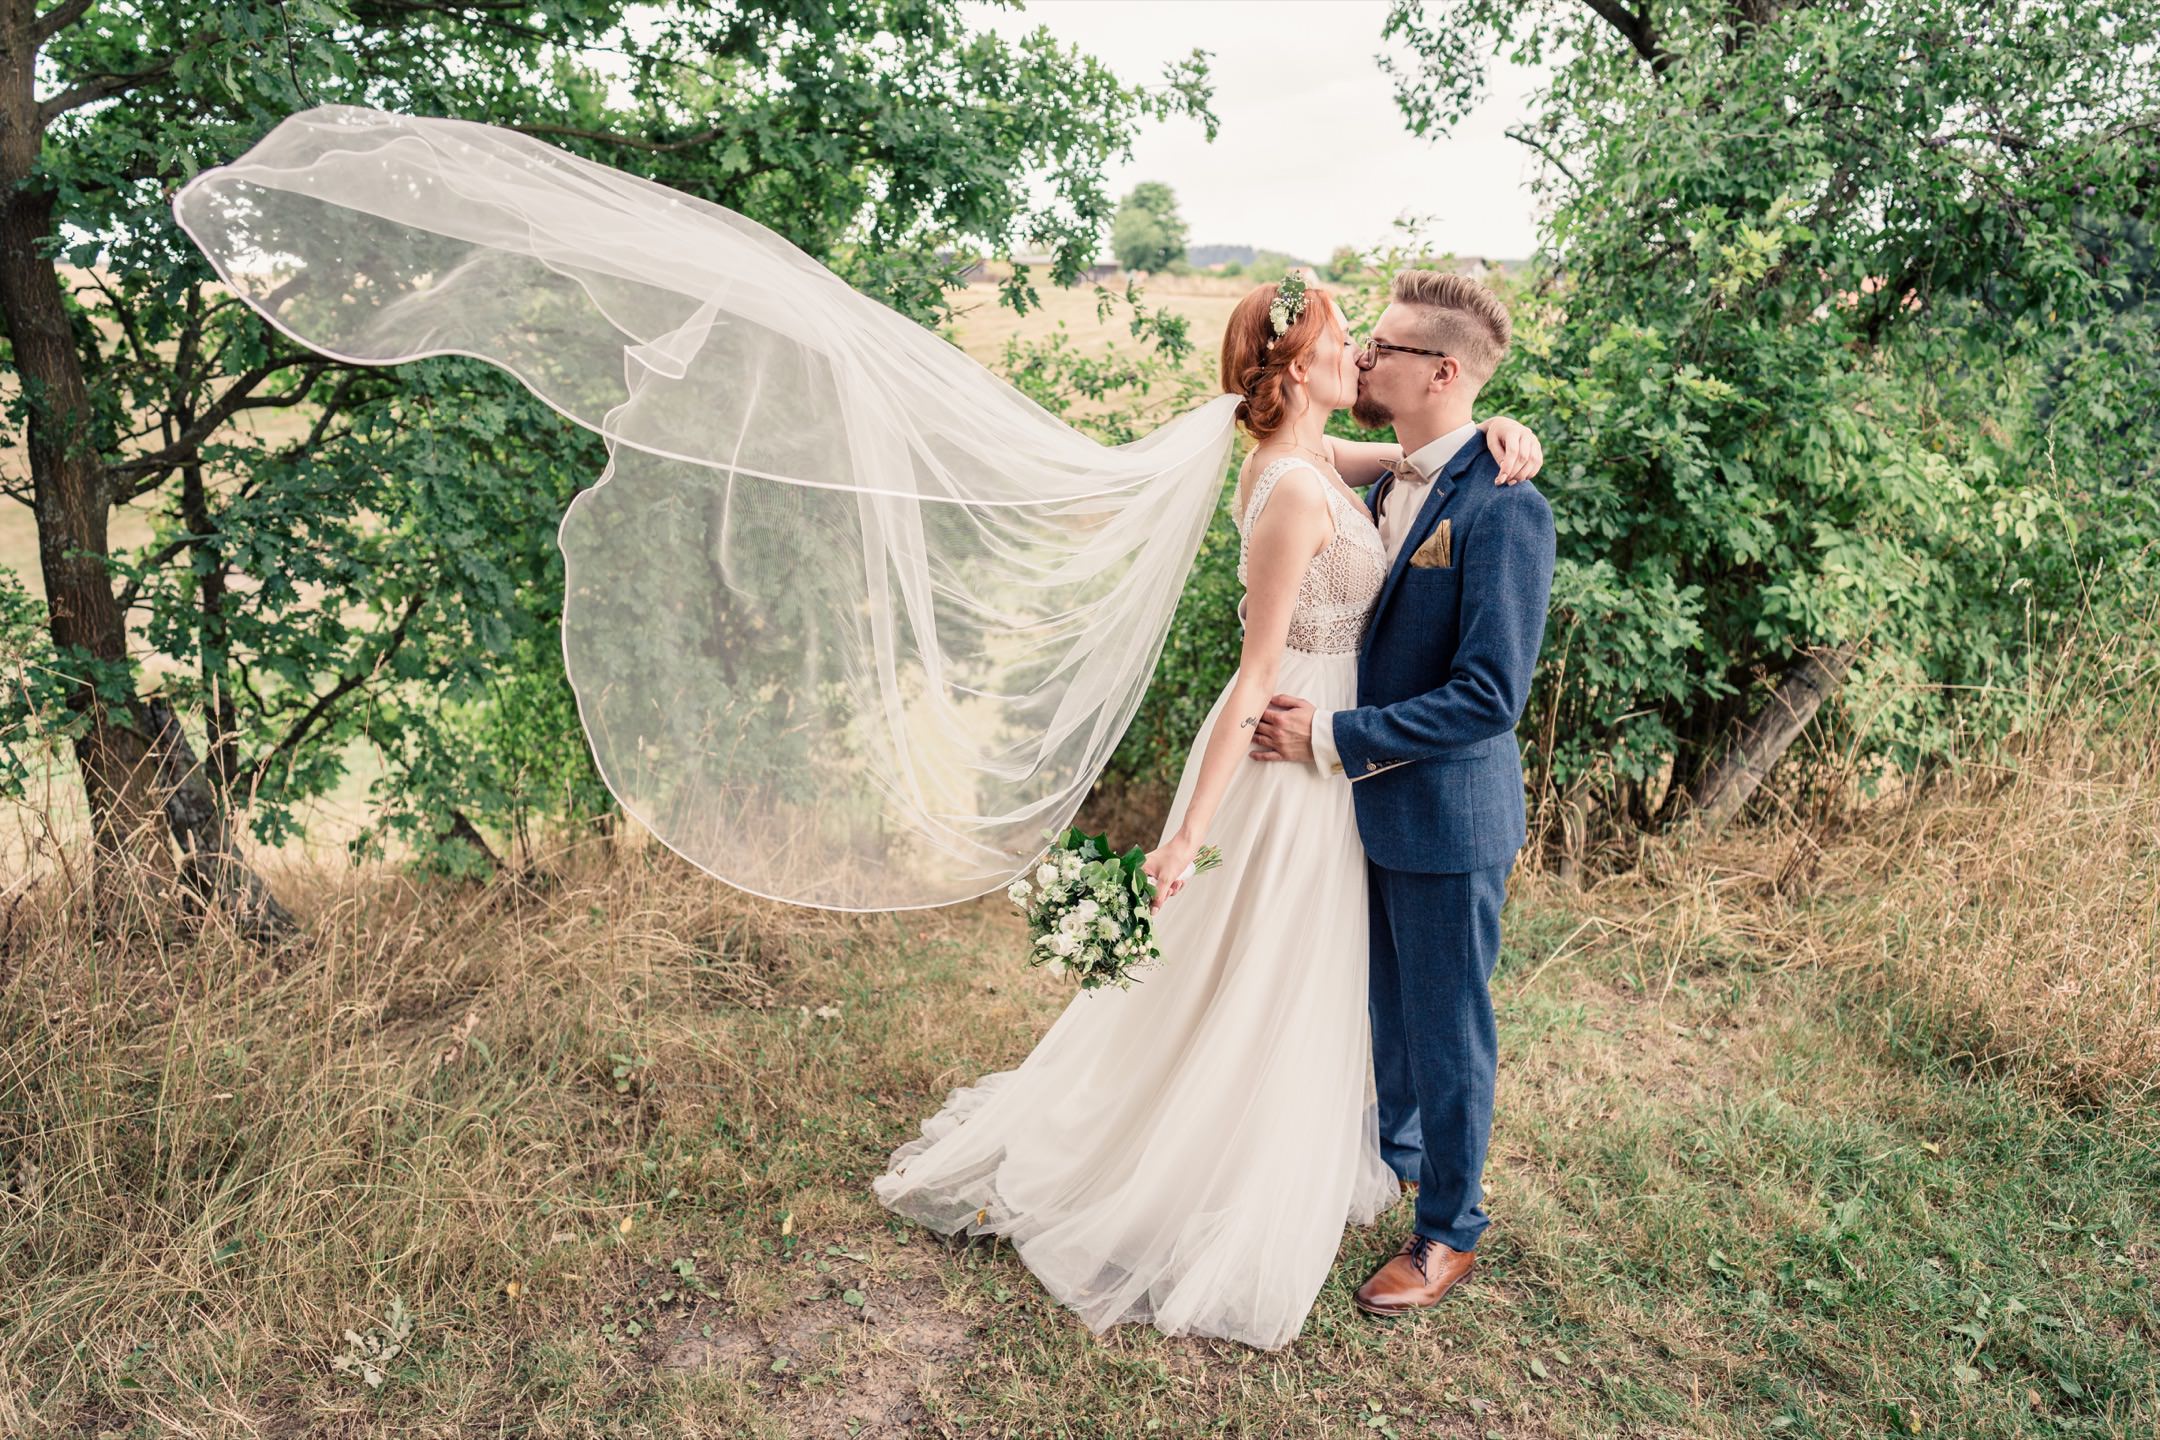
{"x": 1207, "y": 858}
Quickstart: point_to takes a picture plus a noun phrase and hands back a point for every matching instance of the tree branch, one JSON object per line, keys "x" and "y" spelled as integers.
{"x": 97, "y": 87}
{"x": 1516, "y": 134}
{"x": 333, "y": 408}
{"x": 238, "y": 396}
{"x": 634, "y": 142}
{"x": 345, "y": 686}
{"x": 53, "y": 21}
{"x": 1635, "y": 27}
{"x": 171, "y": 548}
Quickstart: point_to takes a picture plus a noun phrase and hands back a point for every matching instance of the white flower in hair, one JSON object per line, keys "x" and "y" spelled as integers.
{"x": 1289, "y": 303}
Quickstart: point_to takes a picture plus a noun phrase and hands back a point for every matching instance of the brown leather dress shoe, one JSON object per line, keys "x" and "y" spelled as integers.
{"x": 1414, "y": 1277}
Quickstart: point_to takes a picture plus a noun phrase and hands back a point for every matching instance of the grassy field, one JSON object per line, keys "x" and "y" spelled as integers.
{"x": 1790, "y": 1141}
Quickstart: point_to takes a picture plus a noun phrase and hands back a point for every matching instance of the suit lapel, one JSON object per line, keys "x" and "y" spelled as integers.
{"x": 1436, "y": 499}
{"x": 1377, "y": 495}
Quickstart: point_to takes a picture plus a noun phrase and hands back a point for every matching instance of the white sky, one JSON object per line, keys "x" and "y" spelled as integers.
{"x": 1312, "y": 151}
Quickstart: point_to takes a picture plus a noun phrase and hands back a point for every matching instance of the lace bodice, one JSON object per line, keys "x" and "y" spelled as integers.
{"x": 1341, "y": 583}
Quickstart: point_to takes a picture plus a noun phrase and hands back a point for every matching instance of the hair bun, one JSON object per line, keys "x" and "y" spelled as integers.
{"x": 1256, "y": 360}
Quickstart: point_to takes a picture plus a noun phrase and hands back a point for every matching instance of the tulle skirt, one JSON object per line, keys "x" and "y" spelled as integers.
{"x": 1187, "y": 1152}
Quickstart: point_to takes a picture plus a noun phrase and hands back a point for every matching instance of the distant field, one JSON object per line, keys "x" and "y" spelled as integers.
{"x": 984, "y": 325}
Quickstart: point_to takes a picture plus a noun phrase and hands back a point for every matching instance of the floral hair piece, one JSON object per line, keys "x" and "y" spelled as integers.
{"x": 1289, "y": 303}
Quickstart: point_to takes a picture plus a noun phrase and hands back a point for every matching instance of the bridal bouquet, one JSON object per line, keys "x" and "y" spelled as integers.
{"x": 1088, "y": 909}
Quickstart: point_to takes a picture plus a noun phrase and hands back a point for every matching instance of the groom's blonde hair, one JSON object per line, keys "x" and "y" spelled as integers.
{"x": 1461, "y": 317}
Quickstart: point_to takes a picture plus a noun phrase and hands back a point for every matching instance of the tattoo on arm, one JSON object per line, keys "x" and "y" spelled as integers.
{"x": 1248, "y": 722}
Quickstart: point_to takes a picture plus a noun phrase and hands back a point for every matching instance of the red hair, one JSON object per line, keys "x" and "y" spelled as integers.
{"x": 1256, "y": 361}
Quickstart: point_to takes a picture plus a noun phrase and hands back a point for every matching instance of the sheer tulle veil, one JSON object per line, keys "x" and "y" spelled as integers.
{"x": 851, "y": 621}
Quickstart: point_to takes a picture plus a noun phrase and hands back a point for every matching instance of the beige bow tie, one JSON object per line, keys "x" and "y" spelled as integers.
{"x": 1402, "y": 474}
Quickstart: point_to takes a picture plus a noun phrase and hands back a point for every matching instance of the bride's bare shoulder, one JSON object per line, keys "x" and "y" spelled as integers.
{"x": 1293, "y": 514}
{"x": 1260, "y": 457}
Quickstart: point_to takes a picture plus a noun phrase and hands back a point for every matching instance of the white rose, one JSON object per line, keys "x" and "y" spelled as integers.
{"x": 1046, "y": 874}
{"x": 1088, "y": 909}
{"x": 1018, "y": 891}
{"x": 1063, "y": 944}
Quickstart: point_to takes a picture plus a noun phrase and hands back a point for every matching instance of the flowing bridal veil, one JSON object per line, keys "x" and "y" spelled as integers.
{"x": 851, "y": 621}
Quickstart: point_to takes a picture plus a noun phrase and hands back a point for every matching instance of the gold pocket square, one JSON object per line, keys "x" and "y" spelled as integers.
{"x": 1438, "y": 551}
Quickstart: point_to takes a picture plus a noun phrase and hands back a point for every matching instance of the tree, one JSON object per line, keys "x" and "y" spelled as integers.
{"x": 1345, "y": 266}
{"x": 1271, "y": 265}
{"x": 1805, "y": 272}
{"x": 1148, "y": 233}
{"x": 349, "y": 551}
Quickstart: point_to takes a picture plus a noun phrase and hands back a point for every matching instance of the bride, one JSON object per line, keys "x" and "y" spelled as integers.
{"x": 1187, "y": 1152}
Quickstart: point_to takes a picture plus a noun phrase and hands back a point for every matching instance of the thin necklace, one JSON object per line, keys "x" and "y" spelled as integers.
{"x": 1320, "y": 455}
{"x": 1338, "y": 482}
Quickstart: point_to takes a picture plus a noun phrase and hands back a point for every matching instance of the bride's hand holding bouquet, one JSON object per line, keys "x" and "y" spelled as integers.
{"x": 1170, "y": 865}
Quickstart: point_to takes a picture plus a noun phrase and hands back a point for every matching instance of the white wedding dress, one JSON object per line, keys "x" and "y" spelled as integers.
{"x": 1187, "y": 1152}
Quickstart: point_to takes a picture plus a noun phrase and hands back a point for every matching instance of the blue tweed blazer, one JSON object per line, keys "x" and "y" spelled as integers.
{"x": 1444, "y": 674}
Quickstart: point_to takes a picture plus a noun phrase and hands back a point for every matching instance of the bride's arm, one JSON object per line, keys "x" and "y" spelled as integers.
{"x": 1517, "y": 450}
{"x": 1290, "y": 530}
{"x": 1360, "y": 462}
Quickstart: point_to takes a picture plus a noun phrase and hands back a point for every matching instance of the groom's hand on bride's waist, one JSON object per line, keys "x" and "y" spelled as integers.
{"x": 1285, "y": 731}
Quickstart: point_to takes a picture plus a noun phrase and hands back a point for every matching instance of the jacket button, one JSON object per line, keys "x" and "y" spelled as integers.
{"x": 1371, "y": 765}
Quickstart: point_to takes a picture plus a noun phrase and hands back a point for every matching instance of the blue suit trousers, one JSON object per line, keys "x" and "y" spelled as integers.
{"x": 1435, "y": 940}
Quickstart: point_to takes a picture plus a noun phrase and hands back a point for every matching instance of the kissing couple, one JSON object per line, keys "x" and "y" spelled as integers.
{"x": 1319, "y": 1036}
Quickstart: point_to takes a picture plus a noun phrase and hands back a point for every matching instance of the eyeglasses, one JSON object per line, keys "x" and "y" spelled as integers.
{"x": 1369, "y": 355}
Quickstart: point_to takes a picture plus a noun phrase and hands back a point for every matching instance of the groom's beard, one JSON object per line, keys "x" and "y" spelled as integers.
{"x": 1370, "y": 413}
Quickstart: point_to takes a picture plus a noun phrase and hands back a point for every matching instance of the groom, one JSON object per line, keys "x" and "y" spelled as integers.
{"x": 1431, "y": 756}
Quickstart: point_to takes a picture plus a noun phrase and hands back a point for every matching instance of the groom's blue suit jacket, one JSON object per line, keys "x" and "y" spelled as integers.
{"x": 1443, "y": 676}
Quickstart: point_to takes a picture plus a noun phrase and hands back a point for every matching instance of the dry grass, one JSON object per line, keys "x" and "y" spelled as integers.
{"x": 2009, "y": 906}
{"x": 982, "y": 325}
{"x": 216, "y": 1156}
{"x": 2020, "y": 912}
{"x": 593, "y": 1154}
{"x": 589, "y": 1154}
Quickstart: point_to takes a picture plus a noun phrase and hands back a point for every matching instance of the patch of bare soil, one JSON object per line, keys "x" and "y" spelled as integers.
{"x": 826, "y": 1368}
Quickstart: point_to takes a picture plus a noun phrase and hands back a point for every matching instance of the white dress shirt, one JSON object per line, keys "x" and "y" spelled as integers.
{"x": 1413, "y": 482}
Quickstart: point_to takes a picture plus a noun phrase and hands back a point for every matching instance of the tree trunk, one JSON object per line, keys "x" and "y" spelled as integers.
{"x": 221, "y": 717}
{"x": 68, "y": 497}
{"x": 462, "y": 828}
{"x": 115, "y": 750}
{"x": 1722, "y": 787}
{"x": 210, "y": 867}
